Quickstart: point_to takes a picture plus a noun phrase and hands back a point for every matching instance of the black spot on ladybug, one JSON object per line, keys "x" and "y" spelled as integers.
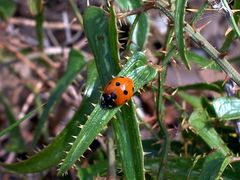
{"x": 110, "y": 82}
{"x": 117, "y": 83}
{"x": 132, "y": 88}
{"x": 113, "y": 95}
{"x": 107, "y": 100}
{"x": 125, "y": 92}
{"x": 121, "y": 77}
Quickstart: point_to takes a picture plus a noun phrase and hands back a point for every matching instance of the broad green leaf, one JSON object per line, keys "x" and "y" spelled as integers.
{"x": 99, "y": 118}
{"x": 179, "y": 29}
{"x": 201, "y": 126}
{"x": 227, "y": 108}
{"x": 75, "y": 64}
{"x": 55, "y": 152}
{"x": 214, "y": 165}
{"x": 96, "y": 27}
{"x": 7, "y": 8}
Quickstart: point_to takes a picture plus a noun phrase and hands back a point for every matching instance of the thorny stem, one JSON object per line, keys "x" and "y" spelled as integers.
{"x": 160, "y": 114}
{"x": 143, "y": 8}
{"x": 207, "y": 47}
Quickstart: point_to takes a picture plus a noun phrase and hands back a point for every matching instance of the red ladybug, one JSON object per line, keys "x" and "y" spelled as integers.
{"x": 117, "y": 92}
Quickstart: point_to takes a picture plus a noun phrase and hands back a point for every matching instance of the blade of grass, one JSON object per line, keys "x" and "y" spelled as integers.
{"x": 75, "y": 64}
{"x": 179, "y": 28}
{"x": 53, "y": 154}
{"x": 16, "y": 142}
{"x": 14, "y": 125}
{"x": 37, "y": 9}
{"x": 199, "y": 13}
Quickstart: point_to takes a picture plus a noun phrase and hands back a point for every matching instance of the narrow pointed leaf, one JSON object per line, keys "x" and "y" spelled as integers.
{"x": 54, "y": 153}
{"x": 179, "y": 29}
{"x": 100, "y": 117}
{"x": 201, "y": 126}
{"x": 75, "y": 64}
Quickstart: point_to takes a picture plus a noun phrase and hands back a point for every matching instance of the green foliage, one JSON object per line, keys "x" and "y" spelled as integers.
{"x": 75, "y": 65}
{"x": 203, "y": 148}
{"x": 7, "y": 8}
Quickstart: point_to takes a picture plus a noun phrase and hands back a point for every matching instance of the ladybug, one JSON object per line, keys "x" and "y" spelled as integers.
{"x": 117, "y": 92}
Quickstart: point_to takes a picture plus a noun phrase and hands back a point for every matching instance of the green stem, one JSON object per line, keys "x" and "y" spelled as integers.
{"x": 160, "y": 112}
{"x": 76, "y": 11}
{"x": 206, "y": 46}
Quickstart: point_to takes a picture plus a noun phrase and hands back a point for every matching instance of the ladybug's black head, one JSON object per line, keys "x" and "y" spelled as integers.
{"x": 108, "y": 100}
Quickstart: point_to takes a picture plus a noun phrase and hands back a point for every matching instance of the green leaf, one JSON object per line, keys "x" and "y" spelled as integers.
{"x": 7, "y": 8}
{"x": 199, "y": 13}
{"x": 100, "y": 117}
{"x": 35, "y": 6}
{"x": 214, "y": 165}
{"x": 96, "y": 27}
{"x": 231, "y": 35}
{"x": 16, "y": 142}
{"x": 140, "y": 31}
{"x": 126, "y": 128}
{"x": 227, "y": 108}
{"x": 53, "y": 153}
{"x": 191, "y": 99}
{"x": 230, "y": 17}
{"x": 92, "y": 170}
{"x": 128, "y": 4}
{"x": 202, "y": 61}
{"x": 75, "y": 64}
{"x": 14, "y": 125}
{"x": 203, "y": 86}
{"x": 201, "y": 126}
{"x": 179, "y": 28}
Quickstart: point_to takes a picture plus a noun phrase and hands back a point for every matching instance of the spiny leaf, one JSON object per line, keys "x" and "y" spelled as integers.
{"x": 100, "y": 117}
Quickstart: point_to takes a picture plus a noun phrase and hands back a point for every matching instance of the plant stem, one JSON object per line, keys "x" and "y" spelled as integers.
{"x": 160, "y": 112}
{"x": 207, "y": 47}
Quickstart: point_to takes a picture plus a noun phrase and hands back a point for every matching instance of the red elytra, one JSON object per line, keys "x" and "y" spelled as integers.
{"x": 117, "y": 92}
